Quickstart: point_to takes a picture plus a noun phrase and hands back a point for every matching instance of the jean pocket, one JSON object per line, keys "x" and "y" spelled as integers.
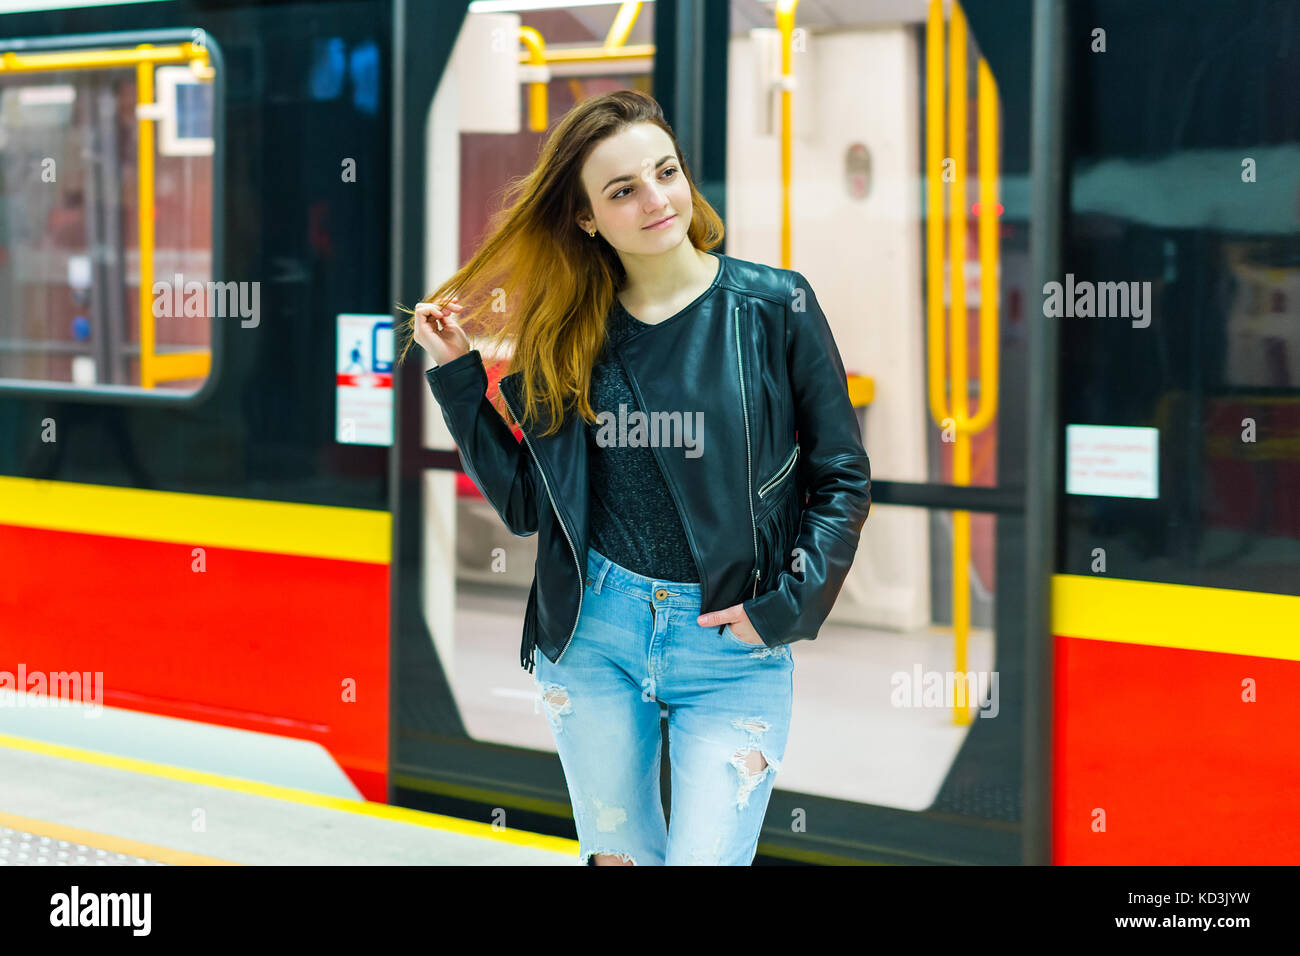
{"x": 728, "y": 633}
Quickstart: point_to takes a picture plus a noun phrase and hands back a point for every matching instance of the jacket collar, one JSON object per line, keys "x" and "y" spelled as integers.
{"x": 511, "y": 384}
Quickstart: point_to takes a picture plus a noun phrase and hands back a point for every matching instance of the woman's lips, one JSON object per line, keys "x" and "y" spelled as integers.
{"x": 661, "y": 224}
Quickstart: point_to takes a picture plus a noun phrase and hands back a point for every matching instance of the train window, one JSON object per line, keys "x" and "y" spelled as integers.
{"x": 106, "y": 215}
{"x": 1182, "y": 191}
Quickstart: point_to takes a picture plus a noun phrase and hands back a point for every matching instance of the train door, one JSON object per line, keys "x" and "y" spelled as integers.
{"x": 906, "y": 739}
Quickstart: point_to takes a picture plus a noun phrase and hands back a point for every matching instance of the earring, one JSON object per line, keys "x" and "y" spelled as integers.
{"x": 592, "y": 233}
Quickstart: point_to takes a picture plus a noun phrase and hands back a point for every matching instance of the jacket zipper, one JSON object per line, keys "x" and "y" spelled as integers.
{"x": 749, "y": 467}
{"x": 780, "y": 475}
{"x": 558, "y": 517}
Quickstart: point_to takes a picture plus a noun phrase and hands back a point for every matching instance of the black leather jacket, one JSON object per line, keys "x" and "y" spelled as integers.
{"x": 773, "y": 507}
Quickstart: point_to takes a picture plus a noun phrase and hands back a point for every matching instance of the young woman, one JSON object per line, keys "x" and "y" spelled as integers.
{"x": 691, "y": 464}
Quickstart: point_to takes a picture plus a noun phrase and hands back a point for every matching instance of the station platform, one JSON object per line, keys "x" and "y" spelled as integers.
{"x": 67, "y": 806}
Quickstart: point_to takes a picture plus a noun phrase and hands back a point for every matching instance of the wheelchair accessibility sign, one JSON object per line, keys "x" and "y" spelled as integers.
{"x": 364, "y": 380}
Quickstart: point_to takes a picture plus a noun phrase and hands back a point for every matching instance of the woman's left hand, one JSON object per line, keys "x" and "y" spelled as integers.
{"x": 737, "y": 618}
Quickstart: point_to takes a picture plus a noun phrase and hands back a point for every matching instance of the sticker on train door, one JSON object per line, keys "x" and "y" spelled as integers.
{"x": 363, "y": 412}
{"x": 1120, "y": 461}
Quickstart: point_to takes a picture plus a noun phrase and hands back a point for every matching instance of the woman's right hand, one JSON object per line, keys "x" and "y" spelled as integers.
{"x": 438, "y": 333}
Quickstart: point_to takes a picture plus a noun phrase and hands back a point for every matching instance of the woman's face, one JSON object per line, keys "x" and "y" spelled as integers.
{"x": 633, "y": 180}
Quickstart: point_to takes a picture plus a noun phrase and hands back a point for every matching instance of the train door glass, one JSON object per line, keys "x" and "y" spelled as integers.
{"x": 476, "y": 574}
{"x": 896, "y": 185}
{"x": 895, "y": 707}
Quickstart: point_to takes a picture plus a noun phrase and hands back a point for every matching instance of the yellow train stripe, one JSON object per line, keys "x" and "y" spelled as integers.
{"x": 102, "y": 841}
{"x": 318, "y": 531}
{"x": 435, "y": 821}
{"x": 1221, "y": 620}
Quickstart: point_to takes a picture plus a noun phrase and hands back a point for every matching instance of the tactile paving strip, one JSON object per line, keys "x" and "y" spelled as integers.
{"x": 20, "y": 848}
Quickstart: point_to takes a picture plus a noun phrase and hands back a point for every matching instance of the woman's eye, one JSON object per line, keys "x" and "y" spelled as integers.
{"x": 619, "y": 194}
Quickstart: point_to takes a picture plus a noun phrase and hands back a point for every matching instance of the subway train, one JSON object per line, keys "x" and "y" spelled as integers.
{"x": 221, "y": 491}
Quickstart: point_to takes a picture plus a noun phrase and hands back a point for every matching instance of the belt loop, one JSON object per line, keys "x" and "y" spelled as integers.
{"x": 599, "y": 577}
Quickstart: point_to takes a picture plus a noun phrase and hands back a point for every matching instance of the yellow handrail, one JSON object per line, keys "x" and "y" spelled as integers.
{"x": 155, "y": 368}
{"x": 145, "y": 212}
{"x": 594, "y": 54}
{"x": 785, "y": 10}
{"x": 103, "y": 59}
{"x": 953, "y": 406}
{"x": 934, "y": 141}
{"x": 538, "y": 57}
{"x": 624, "y": 20}
{"x": 990, "y": 259}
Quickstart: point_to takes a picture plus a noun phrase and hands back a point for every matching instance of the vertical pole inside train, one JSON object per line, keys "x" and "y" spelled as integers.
{"x": 1047, "y": 184}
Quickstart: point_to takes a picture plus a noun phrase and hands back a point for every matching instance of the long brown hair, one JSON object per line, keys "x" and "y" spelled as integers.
{"x": 543, "y": 284}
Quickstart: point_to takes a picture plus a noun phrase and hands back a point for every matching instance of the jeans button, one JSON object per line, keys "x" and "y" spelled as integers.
{"x": 661, "y": 594}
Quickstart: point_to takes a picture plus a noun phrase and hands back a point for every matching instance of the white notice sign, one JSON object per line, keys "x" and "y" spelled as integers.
{"x": 363, "y": 380}
{"x": 1112, "y": 460}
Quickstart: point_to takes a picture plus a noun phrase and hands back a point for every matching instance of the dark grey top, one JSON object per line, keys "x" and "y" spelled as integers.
{"x": 633, "y": 520}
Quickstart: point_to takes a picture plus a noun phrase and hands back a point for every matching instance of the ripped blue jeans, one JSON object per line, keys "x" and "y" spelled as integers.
{"x": 636, "y": 645}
